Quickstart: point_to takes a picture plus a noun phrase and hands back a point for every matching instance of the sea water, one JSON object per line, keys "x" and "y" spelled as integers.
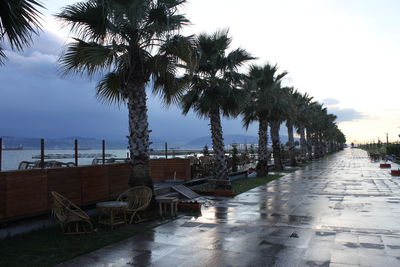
{"x": 12, "y": 158}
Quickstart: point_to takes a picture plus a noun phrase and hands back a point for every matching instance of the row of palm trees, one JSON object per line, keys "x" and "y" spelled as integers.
{"x": 137, "y": 44}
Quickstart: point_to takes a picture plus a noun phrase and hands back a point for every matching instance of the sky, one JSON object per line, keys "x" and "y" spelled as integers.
{"x": 344, "y": 53}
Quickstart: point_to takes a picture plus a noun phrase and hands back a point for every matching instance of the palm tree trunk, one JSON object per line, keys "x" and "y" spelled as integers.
{"x": 138, "y": 136}
{"x": 221, "y": 168}
{"x": 276, "y": 146}
{"x": 292, "y": 155}
{"x": 303, "y": 143}
{"x": 330, "y": 147}
{"x": 309, "y": 145}
{"x": 320, "y": 143}
{"x": 324, "y": 147}
{"x": 317, "y": 147}
{"x": 262, "y": 165}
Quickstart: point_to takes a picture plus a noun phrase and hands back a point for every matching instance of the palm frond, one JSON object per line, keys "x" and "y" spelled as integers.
{"x": 88, "y": 20}
{"x": 83, "y": 57}
{"x": 237, "y": 58}
{"x": 19, "y": 20}
{"x": 111, "y": 89}
{"x": 2, "y": 55}
{"x": 183, "y": 48}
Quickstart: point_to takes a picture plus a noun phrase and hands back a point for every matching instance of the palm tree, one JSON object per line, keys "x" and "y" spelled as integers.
{"x": 303, "y": 104}
{"x": 213, "y": 90}
{"x": 259, "y": 88}
{"x": 310, "y": 114}
{"x": 19, "y": 19}
{"x": 326, "y": 122}
{"x": 318, "y": 121}
{"x": 133, "y": 44}
{"x": 279, "y": 112}
{"x": 293, "y": 113}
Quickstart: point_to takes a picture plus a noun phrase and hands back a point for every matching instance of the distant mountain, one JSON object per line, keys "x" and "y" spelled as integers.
{"x": 156, "y": 143}
{"x": 68, "y": 143}
{"x": 231, "y": 139}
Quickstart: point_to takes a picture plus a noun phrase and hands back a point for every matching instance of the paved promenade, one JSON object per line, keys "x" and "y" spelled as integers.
{"x": 342, "y": 210}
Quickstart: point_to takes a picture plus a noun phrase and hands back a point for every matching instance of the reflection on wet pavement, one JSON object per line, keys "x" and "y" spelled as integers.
{"x": 342, "y": 210}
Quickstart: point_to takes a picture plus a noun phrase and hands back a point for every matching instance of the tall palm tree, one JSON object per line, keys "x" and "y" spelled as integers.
{"x": 317, "y": 114}
{"x": 303, "y": 104}
{"x": 326, "y": 122}
{"x": 213, "y": 89}
{"x": 19, "y": 19}
{"x": 310, "y": 115}
{"x": 293, "y": 113}
{"x": 133, "y": 44}
{"x": 259, "y": 89}
{"x": 279, "y": 112}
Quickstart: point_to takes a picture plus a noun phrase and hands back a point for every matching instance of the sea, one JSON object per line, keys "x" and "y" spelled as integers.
{"x": 12, "y": 158}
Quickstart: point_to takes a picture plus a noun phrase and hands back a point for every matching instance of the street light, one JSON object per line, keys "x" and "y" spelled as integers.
{"x": 387, "y": 139}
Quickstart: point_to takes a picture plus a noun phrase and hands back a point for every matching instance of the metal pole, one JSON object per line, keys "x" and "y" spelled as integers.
{"x": 42, "y": 153}
{"x": 76, "y": 152}
{"x": 104, "y": 151}
{"x": 1, "y": 151}
{"x": 166, "y": 150}
{"x": 387, "y": 139}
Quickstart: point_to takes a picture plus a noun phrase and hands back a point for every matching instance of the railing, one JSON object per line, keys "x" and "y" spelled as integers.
{"x": 72, "y": 153}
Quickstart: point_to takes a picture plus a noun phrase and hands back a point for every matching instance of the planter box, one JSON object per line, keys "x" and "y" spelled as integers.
{"x": 217, "y": 192}
{"x": 224, "y": 193}
{"x": 385, "y": 165}
{"x": 395, "y": 172}
{"x": 189, "y": 206}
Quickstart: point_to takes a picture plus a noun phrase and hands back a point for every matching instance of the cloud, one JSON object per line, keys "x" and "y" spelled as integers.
{"x": 347, "y": 114}
{"x": 330, "y": 101}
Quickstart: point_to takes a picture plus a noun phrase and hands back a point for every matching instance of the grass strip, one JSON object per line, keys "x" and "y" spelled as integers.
{"x": 245, "y": 184}
{"x": 289, "y": 170}
{"x": 304, "y": 164}
{"x": 47, "y": 247}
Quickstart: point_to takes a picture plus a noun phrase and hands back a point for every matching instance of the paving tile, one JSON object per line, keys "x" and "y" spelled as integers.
{"x": 346, "y": 237}
{"x": 344, "y": 257}
{"x": 317, "y": 254}
{"x": 341, "y": 265}
{"x": 369, "y": 239}
{"x": 375, "y": 260}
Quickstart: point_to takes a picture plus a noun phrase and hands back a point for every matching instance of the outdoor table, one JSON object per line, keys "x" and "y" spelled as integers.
{"x": 164, "y": 202}
{"x": 113, "y": 211}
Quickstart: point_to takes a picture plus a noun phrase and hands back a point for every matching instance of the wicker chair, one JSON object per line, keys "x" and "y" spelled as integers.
{"x": 73, "y": 220}
{"x": 138, "y": 199}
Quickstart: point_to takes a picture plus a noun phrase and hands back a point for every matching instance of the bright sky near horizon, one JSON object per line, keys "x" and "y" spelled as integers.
{"x": 345, "y": 53}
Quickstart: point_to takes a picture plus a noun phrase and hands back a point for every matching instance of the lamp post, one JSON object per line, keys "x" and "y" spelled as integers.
{"x": 387, "y": 139}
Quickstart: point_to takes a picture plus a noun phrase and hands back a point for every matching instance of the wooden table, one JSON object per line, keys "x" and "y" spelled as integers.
{"x": 164, "y": 202}
{"x": 112, "y": 212}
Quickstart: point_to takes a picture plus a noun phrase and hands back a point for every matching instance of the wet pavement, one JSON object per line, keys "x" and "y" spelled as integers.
{"x": 342, "y": 210}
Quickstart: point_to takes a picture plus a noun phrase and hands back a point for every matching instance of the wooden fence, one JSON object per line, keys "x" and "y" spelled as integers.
{"x": 27, "y": 192}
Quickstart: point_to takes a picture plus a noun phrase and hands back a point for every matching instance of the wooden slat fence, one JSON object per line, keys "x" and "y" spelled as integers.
{"x": 27, "y": 192}
{"x": 164, "y": 169}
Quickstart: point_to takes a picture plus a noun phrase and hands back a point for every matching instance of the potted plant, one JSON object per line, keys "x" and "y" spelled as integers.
{"x": 395, "y": 172}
